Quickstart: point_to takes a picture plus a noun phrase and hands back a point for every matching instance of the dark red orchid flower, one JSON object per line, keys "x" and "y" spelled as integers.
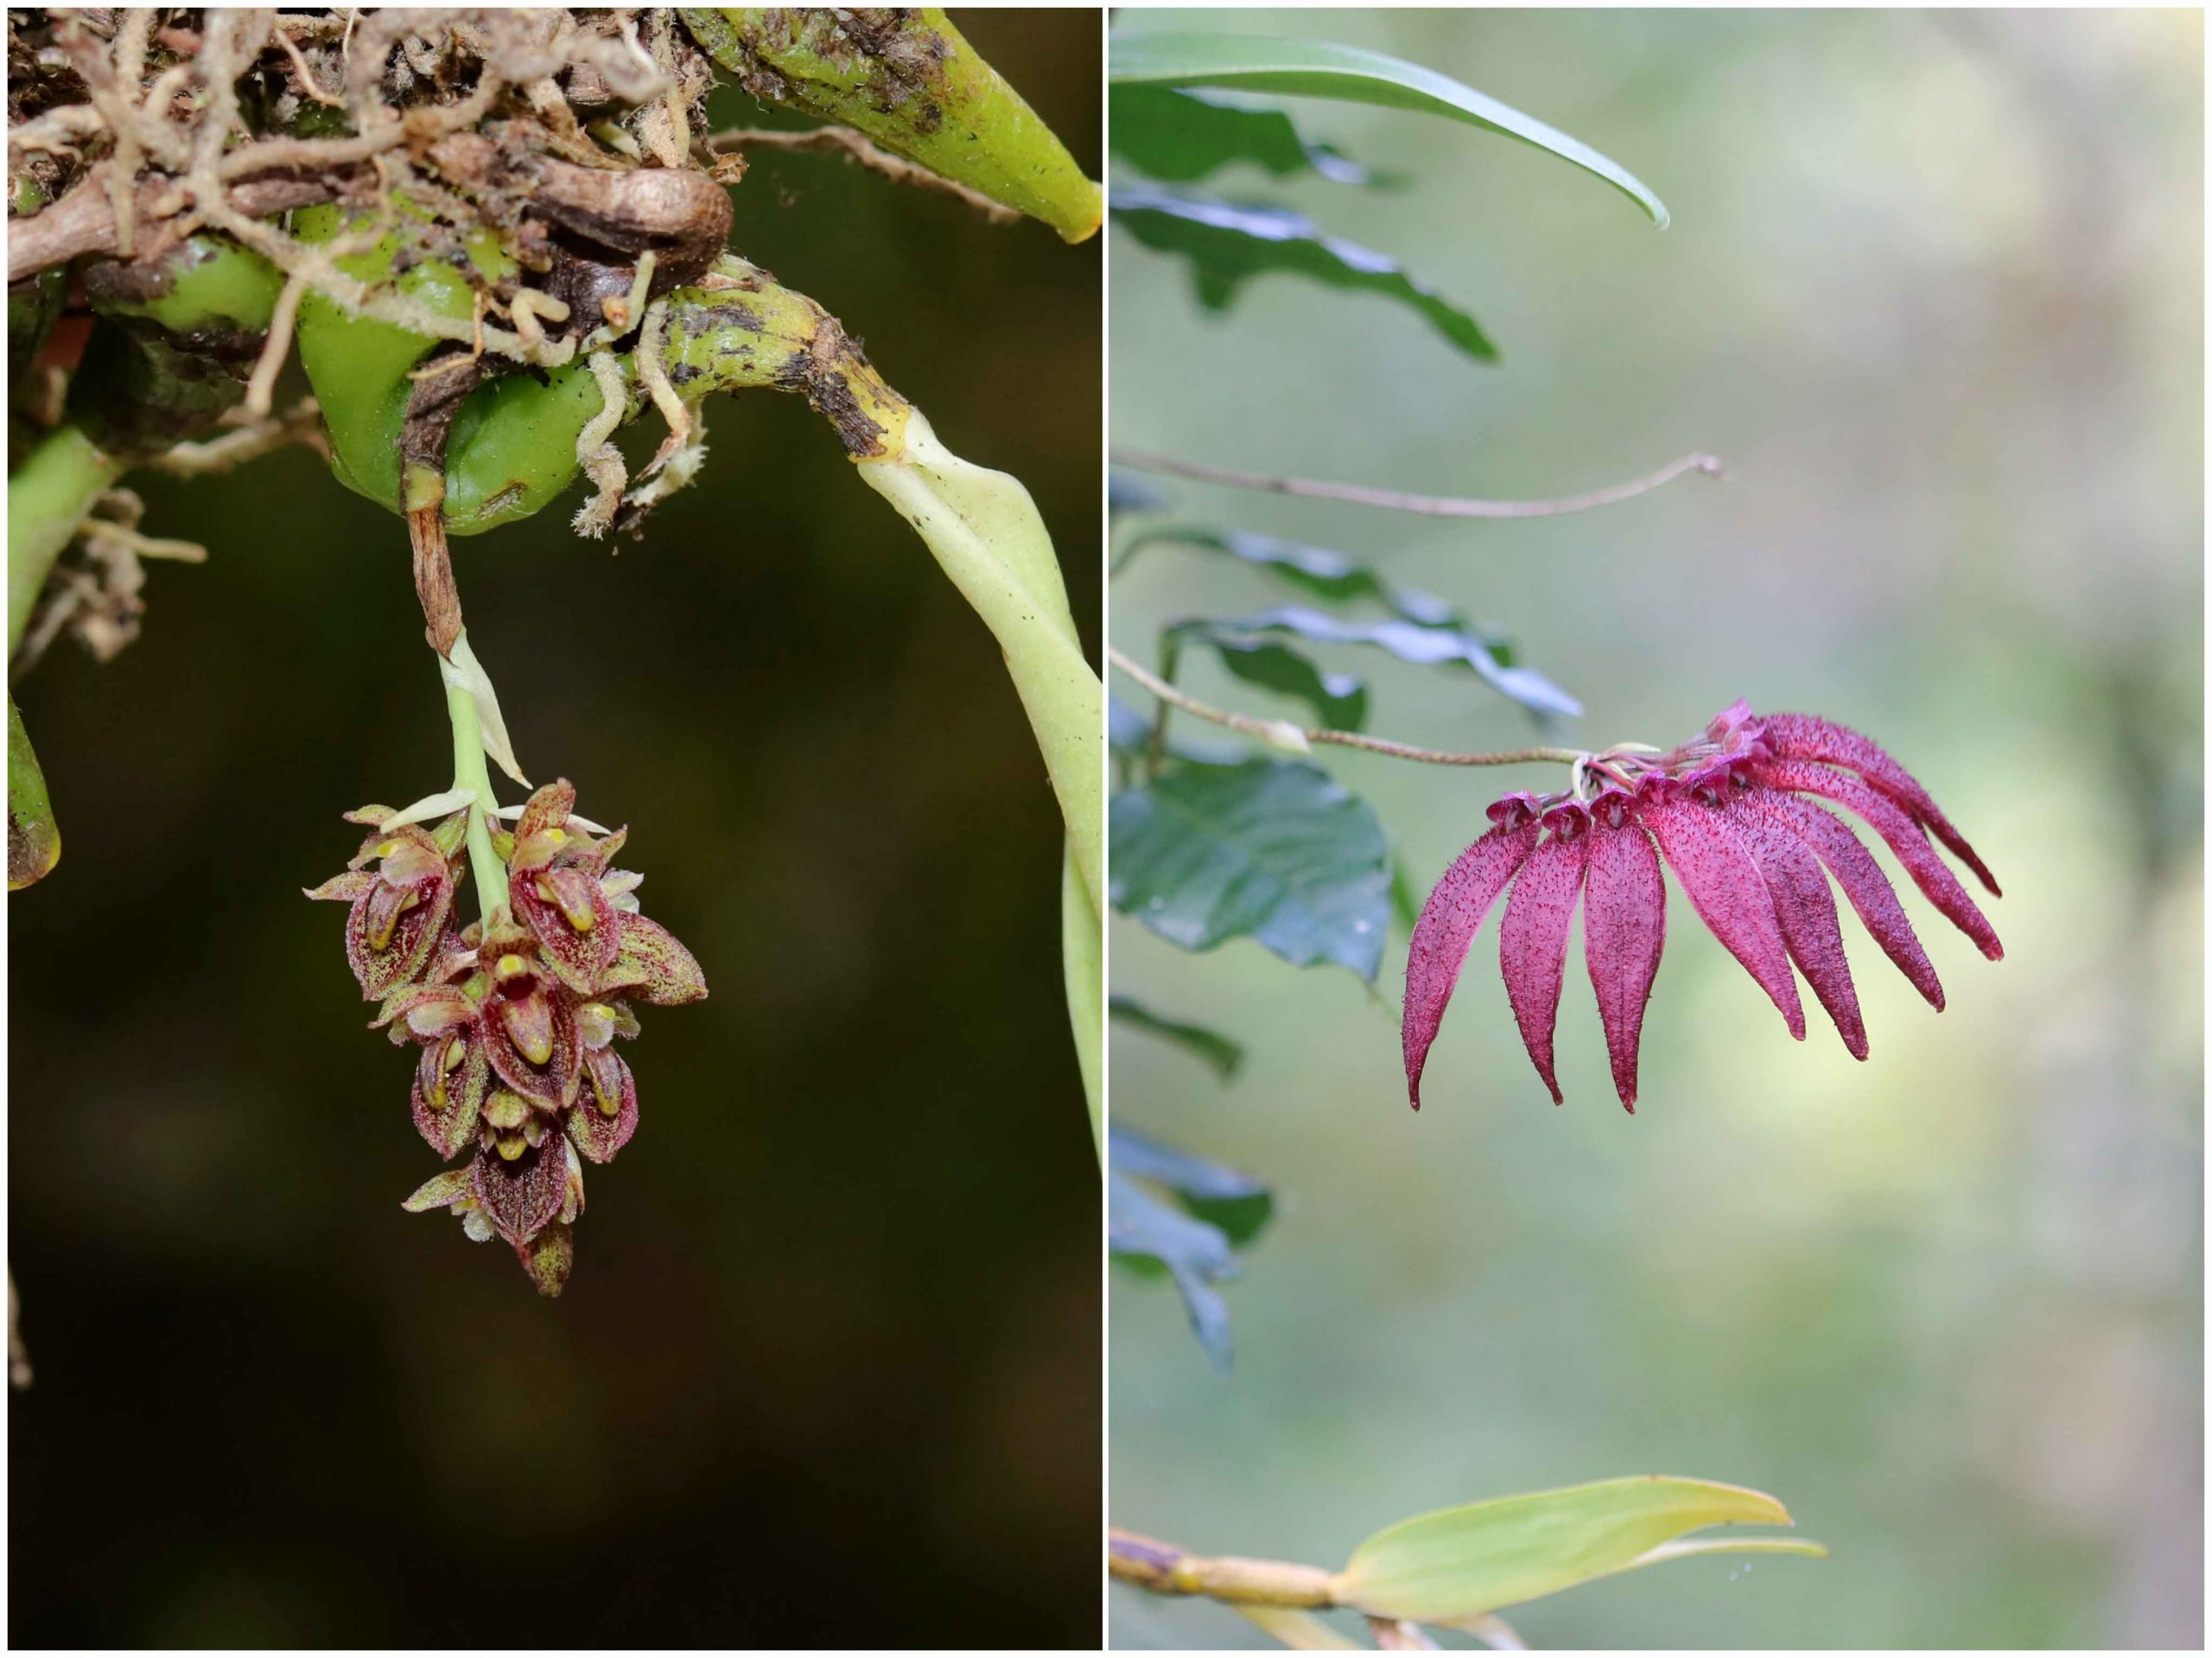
{"x": 1733, "y": 814}
{"x": 516, "y": 1015}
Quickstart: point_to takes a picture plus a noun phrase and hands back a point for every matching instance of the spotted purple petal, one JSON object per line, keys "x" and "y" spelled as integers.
{"x": 1804, "y": 737}
{"x": 1623, "y": 928}
{"x": 1861, "y": 878}
{"x": 1725, "y": 887}
{"x": 450, "y": 1080}
{"x": 605, "y": 1114}
{"x": 1805, "y": 910}
{"x": 651, "y": 965}
{"x": 1532, "y": 935}
{"x": 1905, "y": 838}
{"x": 1447, "y": 925}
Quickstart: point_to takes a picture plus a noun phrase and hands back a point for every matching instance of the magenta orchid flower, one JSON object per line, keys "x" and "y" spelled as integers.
{"x": 1734, "y": 814}
{"x": 515, "y": 1015}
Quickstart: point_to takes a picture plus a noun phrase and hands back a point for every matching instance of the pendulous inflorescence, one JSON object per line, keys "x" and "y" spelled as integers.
{"x": 516, "y": 1014}
{"x": 1734, "y": 814}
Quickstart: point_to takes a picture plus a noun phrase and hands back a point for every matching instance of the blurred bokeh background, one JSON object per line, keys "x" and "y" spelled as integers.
{"x": 1933, "y": 292}
{"x": 828, "y": 1372}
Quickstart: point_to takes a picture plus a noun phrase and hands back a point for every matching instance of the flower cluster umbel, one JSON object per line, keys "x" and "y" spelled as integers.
{"x": 1728, "y": 812}
{"x": 515, "y": 1014}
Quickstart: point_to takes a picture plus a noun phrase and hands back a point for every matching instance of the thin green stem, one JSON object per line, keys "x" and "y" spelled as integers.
{"x": 470, "y": 772}
{"x": 1274, "y": 730}
{"x": 1438, "y": 506}
{"x": 48, "y": 498}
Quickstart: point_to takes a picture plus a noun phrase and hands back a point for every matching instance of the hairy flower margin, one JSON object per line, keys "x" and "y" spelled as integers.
{"x": 515, "y": 1015}
{"x": 1728, "y": 812}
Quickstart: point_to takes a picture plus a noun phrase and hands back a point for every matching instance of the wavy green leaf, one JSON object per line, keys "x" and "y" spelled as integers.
{"x": 1220, "y": 1054}
{"x": 1272, "y": 850}
{"x": 34, "y": 842}
{"x": 1459, "y": 1562}
{"x": 1337, "y": 700}
{"x": 1351, "y": 74}
{"x": 1228, "y": 245}
{"x": 1428, "y": 647}
{"x": 1184, "y": 136}
{"x": 1196, "y": 1244}
{"x": 1317, "y": 571}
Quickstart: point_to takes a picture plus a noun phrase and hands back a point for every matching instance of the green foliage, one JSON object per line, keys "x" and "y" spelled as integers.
{"x": 1184, "y": 136}
{"x": 1223, "y": 1055}
{"x": 1316, "y": 571}
{"x": 1324, "y": 69}
{"x": 1194, "y": 1238}
{"x": 1459, "y": 1562}
{"x": 1272, "y": 850}
{"x": 1336, "y": 700}
{"x": 1228, "y": 245}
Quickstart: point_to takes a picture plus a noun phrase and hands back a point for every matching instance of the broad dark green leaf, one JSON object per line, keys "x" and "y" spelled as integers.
{"x": 1196, "y": 1244}
{"x": 1222, "y": 1054}
{"x": 1351, "y": 73}
{"x": 1339, "y": 701}
{"x": 1272, "y": 850}
{"x": 1184, "y": 136}
{"x": 1317, "y": 571}
{"x": 1228, "y": 245}
{"x": 1425, "y": 646}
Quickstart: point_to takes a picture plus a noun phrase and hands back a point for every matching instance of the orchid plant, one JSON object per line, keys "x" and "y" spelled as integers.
{"x": 496, "y": 237}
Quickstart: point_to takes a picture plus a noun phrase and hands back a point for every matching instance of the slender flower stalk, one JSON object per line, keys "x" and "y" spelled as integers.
{"x": 1733, "y": 812}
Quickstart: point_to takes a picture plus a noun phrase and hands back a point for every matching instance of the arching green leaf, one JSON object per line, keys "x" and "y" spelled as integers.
{"x": 1351, "y": 74}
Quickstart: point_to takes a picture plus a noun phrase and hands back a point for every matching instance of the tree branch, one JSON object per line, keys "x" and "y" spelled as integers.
{"x": 1438, "y": 506}
{"x": 1275, "y": 730}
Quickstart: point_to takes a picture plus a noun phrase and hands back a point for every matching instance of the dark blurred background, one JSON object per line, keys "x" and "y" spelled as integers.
{"x": 828, "y": 1371}
{"x": 1934, "y": 292}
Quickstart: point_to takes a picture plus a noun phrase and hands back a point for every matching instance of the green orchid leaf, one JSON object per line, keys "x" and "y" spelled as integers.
{"x": 1317, "y": 571}
{"x": 1428, "y": 647}
{"x": 1228, "y": 245}
{"x": 1184, "y": 136}
{"x": 1460, "y": 1563}
{"x": 1351, "y": 74}
{"x": 1222, "y": 1055}
{"x": 1339, "y": 701}
{"x": 1272, "y": 850}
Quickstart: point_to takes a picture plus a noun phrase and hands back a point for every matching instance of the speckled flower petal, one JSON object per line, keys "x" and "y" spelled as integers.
{"x": 1447, "y": 926}
{"x": 440, "y": 1190}
{"x": 1861, "y": 878}
{"x": 449, "y": 1092}
{"x": 552, "y": 1083}
{"x": 549, "y": 1258}
{"x": 1624, "y": 929}
{"x": 599, "y": 1132}
{"x": 549, "y": 808}
{"x": 652, "y": 966}
{"x": 345, "y": 887}
{"x": 1804, "y": 737}
{"x": 1532, "y": 935}
{"x": 1805, "y": 911}
{"x": 522, "y": 1197}
{"x": 1724, "y": 886}
{"x": 1929, "y": 872}
{"x": 578, "y": 931}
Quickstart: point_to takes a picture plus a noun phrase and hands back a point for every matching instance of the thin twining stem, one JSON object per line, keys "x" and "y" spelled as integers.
{"x": 1438, "y": 506}
{"x": 1274, "y": 730}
